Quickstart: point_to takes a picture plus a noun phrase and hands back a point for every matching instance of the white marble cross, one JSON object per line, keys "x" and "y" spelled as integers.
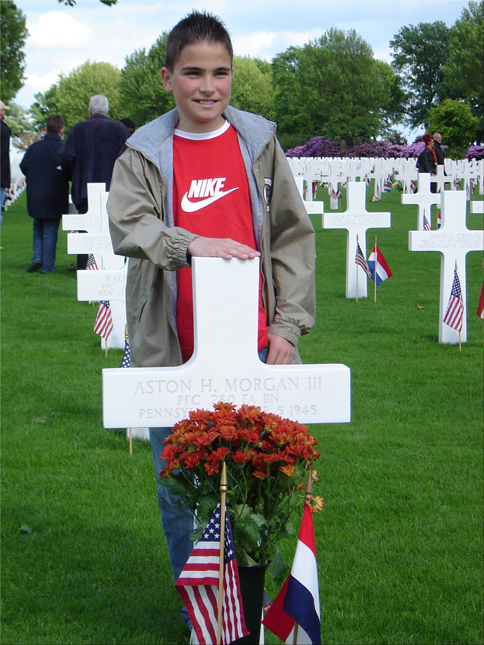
{"x": 454, "y": 241}
{"x": 424, "y": 198}
{"x": 356, "y": 220}
{"x": 110, "y": 279}
{"x": 312, "y": 207}
{"x": 225, "y": 365}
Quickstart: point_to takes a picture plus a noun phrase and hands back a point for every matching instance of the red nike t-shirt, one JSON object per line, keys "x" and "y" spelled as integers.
{"x": 211, "y": 199}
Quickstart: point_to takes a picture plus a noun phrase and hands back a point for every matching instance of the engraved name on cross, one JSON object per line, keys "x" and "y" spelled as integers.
{"x": 225, "y": 365}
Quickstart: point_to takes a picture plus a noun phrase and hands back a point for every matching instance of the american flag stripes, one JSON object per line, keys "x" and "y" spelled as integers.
{"x": 91, "y": 263}
{"x": 361, "y": 261}
{"x": 426, "y": 225}
{"x": 455, "y": 309}
{"x": 104, "y": 320}
{"x": 198, "y": 586}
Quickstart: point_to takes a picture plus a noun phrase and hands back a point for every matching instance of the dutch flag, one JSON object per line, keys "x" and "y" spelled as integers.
{"x": 298, "y": 600}
{"x": 382, "y": 270}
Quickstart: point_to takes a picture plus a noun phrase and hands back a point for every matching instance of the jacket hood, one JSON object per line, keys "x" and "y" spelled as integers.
{"x": 254, "y": 129}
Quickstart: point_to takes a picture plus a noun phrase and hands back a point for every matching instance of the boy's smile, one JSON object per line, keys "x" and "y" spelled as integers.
{"x": 200, "y": 81}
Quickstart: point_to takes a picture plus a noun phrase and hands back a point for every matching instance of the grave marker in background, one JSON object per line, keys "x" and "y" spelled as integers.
{"x": 454, "y": 241}
{"x": 97, "y": 241}
{"x": 356, "y": 220}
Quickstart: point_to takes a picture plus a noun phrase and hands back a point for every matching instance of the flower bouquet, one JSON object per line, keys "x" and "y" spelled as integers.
{"x": 267, "y": 458}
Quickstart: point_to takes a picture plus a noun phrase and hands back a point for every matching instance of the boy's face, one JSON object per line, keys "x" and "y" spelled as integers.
{"x": 200, "y": 81}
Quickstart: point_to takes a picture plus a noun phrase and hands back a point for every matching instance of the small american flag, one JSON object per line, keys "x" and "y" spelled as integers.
{"x": 126, "y": 362}
{"x": 426, "y": 225}
{"x": 335, "y": 194}
{"x": 387, "y": 186}
{"x": 439, "y": 219}
{"x": 104, "y": 320}
{"x": 198, "y": 586}
{"x": 413, "y": 186}
{"x": 360, "y": 260}
{"x": 455, "y": 309}
{"x": 91, "y": 263}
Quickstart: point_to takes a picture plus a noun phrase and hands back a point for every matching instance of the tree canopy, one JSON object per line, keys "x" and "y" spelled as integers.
{"x": 12, "y": 41}
{"x": 144, "y": 97}
{"x": 419, "y": 55}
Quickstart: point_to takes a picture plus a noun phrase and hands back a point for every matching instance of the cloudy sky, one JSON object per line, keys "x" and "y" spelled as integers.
{"x": 62, "y": 38}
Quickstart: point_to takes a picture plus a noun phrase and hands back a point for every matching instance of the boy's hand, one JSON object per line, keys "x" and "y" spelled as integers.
{"x": 212, "y": 247}
{"x": 281, "y": 351}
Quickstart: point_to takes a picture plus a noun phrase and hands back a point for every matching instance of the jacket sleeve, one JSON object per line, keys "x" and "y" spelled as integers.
{"x": 292, "y": 255}
{"x": 136, "y": 214}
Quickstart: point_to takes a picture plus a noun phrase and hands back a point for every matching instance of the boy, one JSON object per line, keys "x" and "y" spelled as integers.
{"x": 206, "y": 180}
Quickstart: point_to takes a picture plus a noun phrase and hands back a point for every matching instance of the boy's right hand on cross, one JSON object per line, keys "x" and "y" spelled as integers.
{"x": 212, "y": 247}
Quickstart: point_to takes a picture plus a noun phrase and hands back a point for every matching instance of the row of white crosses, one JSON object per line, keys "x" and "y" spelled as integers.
{"x": 335, "y": 172}
{"x": 15, "y": 190}
{"x": 453, "y": 240}
{"x": 109, "y": 282}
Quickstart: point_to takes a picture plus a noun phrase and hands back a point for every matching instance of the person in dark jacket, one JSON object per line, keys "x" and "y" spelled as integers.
{"x": 47, "y": 193}
{"x": 91, "y": 148}
{"x": 427, "y": 161}
{"x": 439, "y": 153}
{"x": 5, "y": 152}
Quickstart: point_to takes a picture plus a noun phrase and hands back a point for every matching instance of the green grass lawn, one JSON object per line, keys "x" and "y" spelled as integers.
{"x": 399, "y": 544}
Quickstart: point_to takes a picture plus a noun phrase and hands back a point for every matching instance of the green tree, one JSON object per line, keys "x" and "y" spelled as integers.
{"x": 24, "y": 131}
{"x": 332, "y": 87}
{"x": 252, "y": 87}
{"x": 457, "y": 125}
{"x": 144, "y": 97}
{"x": 45, "y": 103}
{"x": 419, "y": 56}
{"x": 12, "y": 41}
{"x": 293, "y": 129}
{"x": 74, "y": 91}
{"x": 464, "y": 72}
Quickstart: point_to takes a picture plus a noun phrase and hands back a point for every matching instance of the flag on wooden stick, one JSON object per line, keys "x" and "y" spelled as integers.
{"x": 104, "y": 320}
{"x": 198, "y": 585}
{"x": 296, "y": 607}
{"x": 455, "y": 309}
{"x": 379, "y": 269}
{"x": 426, "y": 225}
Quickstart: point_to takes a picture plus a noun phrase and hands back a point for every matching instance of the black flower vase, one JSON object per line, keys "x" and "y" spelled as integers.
{"x": 252, "y": 592}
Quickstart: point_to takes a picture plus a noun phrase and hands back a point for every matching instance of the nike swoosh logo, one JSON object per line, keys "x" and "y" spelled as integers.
{"x": 192, "y": 207}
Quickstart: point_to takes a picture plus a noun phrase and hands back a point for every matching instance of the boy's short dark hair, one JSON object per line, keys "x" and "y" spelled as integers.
{"x": 196, "y": 27}
{"x": 54, "y": 124}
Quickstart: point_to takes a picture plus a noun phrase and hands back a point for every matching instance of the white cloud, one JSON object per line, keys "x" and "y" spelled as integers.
{"x": 40, "y": 83}
{"x": 253, "y": 44}
{"x": 55, "y": 29}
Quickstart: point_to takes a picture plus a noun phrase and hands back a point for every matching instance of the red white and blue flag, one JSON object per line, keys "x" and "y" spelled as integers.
{"x": 455, "y": 309}
{"x": 298, "y": 600}
{"x": 439, "y": 219}
{"x": 480, "y": 307}
{"x": 198, "y": 586}
{"x": 104, "y": 320}
{"x": 360, "y": 259}
{"x": 426, "y": 225}
{"x": 387, "y": 186}
{"x": 91, "y": 263}
{"x": 376, "y": 262}
{"x": 126, "y": 360}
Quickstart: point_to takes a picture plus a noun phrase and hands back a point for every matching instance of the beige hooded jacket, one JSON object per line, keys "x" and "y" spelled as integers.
{"x": 140, "y": 208}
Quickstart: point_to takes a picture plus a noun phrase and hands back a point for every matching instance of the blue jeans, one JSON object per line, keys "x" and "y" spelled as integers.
{"x": 45, "y": 242}
{"x": 3, "y": 192}
{"x": 178, "y": 523}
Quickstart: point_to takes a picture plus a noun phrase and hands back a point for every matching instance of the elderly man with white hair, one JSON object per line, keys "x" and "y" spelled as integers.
{"x": 89, "y": 153}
